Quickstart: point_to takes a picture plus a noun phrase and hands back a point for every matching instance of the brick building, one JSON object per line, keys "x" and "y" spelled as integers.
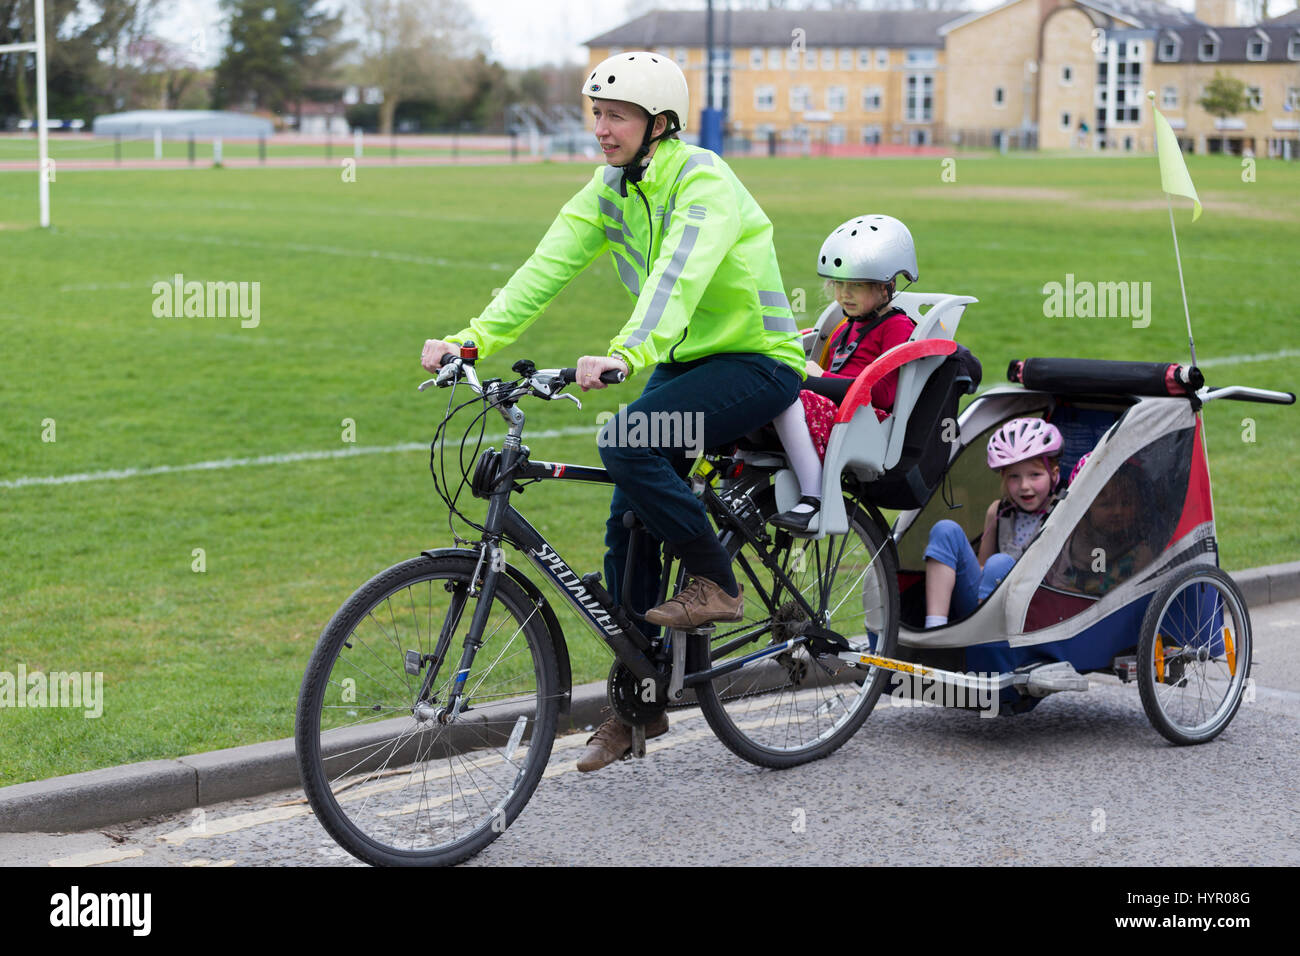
{"x": 834, "y": 77}
{"x": 1051, "y": 74}
{"x": 1074, "y": 74}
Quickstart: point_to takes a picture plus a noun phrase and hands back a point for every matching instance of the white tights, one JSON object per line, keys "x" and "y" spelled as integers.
{"x": 792, "y": 427}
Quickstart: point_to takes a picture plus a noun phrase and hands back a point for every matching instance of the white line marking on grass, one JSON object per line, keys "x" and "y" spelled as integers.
{"x": 99, "y": 286}
{"x": 118, "y": 474}
{"x": 1241, "y": 359}
{"x": 304, "y": 247}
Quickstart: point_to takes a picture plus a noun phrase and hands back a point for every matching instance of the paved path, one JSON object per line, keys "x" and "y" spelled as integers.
{"x": 1083, "y": 779}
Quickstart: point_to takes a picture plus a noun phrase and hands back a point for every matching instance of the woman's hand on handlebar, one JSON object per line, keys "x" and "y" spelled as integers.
{"x": 431, "y": 357}
{"x": 591, "y": 367}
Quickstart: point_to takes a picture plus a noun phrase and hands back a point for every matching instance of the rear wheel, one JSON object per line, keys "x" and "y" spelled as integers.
{"x": 798, "y": 705}
{"x": 1194, "y": 655}
{"x": 391, "y": 780}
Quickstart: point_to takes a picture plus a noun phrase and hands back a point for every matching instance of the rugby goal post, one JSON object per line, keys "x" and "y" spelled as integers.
{"x": 42, "y": 138}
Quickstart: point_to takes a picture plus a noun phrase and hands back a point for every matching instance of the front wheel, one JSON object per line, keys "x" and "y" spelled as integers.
{"x": 798, "y": 705}
{"x": 1194, "y": 655}
{"x": 391, "y": 776}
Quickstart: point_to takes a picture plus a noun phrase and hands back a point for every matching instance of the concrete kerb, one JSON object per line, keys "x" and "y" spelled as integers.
{"x": 82, "y": 801}
{"x": 118, "y": 794}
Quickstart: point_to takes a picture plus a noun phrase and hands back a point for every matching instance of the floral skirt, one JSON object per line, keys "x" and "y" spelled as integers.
{"x": 820, "y": 414}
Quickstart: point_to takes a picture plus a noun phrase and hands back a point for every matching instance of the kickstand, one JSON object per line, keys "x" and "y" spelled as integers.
{"x": 638, "y": 741}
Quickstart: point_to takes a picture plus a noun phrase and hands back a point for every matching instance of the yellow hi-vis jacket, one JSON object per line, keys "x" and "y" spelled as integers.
{"x": 690, "y": 245}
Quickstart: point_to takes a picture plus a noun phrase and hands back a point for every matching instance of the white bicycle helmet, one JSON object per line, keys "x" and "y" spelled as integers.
{"x": 868, "y": 249}
{"x": 650, "y": 80}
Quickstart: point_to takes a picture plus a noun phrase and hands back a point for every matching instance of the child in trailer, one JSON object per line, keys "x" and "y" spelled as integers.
{"x": 1025, "y": 452}
{"x": 861, "y": 261}
{"x": 1111, "y": 542}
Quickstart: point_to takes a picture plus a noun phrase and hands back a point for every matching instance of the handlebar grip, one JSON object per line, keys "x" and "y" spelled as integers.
{"x": 610, "y": 377}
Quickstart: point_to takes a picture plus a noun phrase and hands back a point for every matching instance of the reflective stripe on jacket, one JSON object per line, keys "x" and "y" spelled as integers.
{"x": 690, "y": 245}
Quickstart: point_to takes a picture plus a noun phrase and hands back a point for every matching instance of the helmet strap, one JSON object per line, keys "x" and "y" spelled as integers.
{"x": 634, "y": 170}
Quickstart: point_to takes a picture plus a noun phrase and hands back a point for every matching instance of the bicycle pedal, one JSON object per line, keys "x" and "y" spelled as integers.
{"x": 638, "y": 741}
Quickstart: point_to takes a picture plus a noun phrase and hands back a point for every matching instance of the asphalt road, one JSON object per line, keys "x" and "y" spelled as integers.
{"x": 1081, "y": 780}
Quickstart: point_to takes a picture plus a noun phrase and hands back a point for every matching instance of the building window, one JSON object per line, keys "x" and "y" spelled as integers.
{"x": 828, "y": 59}
{"x": 1128, "y": 144}
{"x": 864, "y": 59}
{"x": 1067, "y": 75}
{"x": 1208, "y": 49}
{"x": 1293, "y": 97}
{"x": 1169, "y": 97}
{"x": 1293, "y": 47}
{"x": 871, "y": 99}
{"x": 871, "y": 135}
{"x": 846, "y": 59}
{"x": 810, "y": 60}
{"x": 1169, "y": 49}
{"x": 800, "y": 99}
{"x": 918, "y": 137}
{"x": 920, "y": 98}
{"x": 774, "y": 58}
{"x": 1256, "y": 48}
{"x": 882, "y": 59}
{"x": 1255, "y": 97}
{"x": 836, "y": 99}
{"x": 765, "y": 98}
{"x": 1065, "y": 121}
{"x": 756, "y": 58}
{"x": 920, "y": 58}
{"x": 792, "y": 59}
{"x": 999, "y": 96}
{"x": 835, "y": 135}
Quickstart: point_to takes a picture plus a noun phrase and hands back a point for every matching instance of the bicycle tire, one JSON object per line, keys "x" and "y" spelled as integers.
{"x": 401, "y": 791}
{"x": 797, "y": 707}
{"x": 1199, "y": 622}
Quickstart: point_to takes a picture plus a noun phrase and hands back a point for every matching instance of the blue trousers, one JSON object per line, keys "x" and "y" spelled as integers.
{"x": 948, "y": 545}
{"x": 724, "y": 397}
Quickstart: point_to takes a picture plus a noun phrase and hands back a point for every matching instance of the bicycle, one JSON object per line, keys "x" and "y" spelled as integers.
{"x": 409, "y": 756}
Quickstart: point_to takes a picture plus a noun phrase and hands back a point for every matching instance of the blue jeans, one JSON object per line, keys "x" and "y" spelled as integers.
{"x": 948, "y": 545}
{"x": 733, "y": 394}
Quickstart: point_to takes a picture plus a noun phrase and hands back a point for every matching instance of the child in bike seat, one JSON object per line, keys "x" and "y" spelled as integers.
{"x": 1025, "y": 452}
{"x": 860, "y": 261}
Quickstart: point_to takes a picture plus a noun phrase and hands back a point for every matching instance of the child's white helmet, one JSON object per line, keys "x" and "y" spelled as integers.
{"x": 868, "y": 249}
{"x": 650, "y": 80}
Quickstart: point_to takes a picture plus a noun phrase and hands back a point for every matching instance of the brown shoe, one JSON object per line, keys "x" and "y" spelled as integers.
{"x": 613, "y": 740}
{"x": 700, "y": 602}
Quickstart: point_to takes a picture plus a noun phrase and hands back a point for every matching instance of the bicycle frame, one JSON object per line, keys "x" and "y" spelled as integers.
{"x": 495, "y": 476}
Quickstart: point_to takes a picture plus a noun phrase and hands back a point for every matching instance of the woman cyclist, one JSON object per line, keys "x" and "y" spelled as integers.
{"x": 710, "y": 323}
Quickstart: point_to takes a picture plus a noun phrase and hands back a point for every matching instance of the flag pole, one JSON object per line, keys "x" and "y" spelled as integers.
{"x": 1174, "y": 179}
{"x": 1181, "y": 284}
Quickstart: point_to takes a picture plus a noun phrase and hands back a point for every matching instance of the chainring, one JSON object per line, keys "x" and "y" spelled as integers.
{"x": 627, "y": 696}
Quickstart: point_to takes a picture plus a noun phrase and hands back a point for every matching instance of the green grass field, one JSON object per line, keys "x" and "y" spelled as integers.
{"x": 97, "y": 576}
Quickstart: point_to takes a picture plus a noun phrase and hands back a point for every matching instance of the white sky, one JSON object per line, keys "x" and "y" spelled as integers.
{"x": 524, "y": 32}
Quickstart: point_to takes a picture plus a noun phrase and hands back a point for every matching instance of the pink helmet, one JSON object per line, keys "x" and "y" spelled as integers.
{"x": 1021, "y": 439}
{"x": 1077, "y": 466}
